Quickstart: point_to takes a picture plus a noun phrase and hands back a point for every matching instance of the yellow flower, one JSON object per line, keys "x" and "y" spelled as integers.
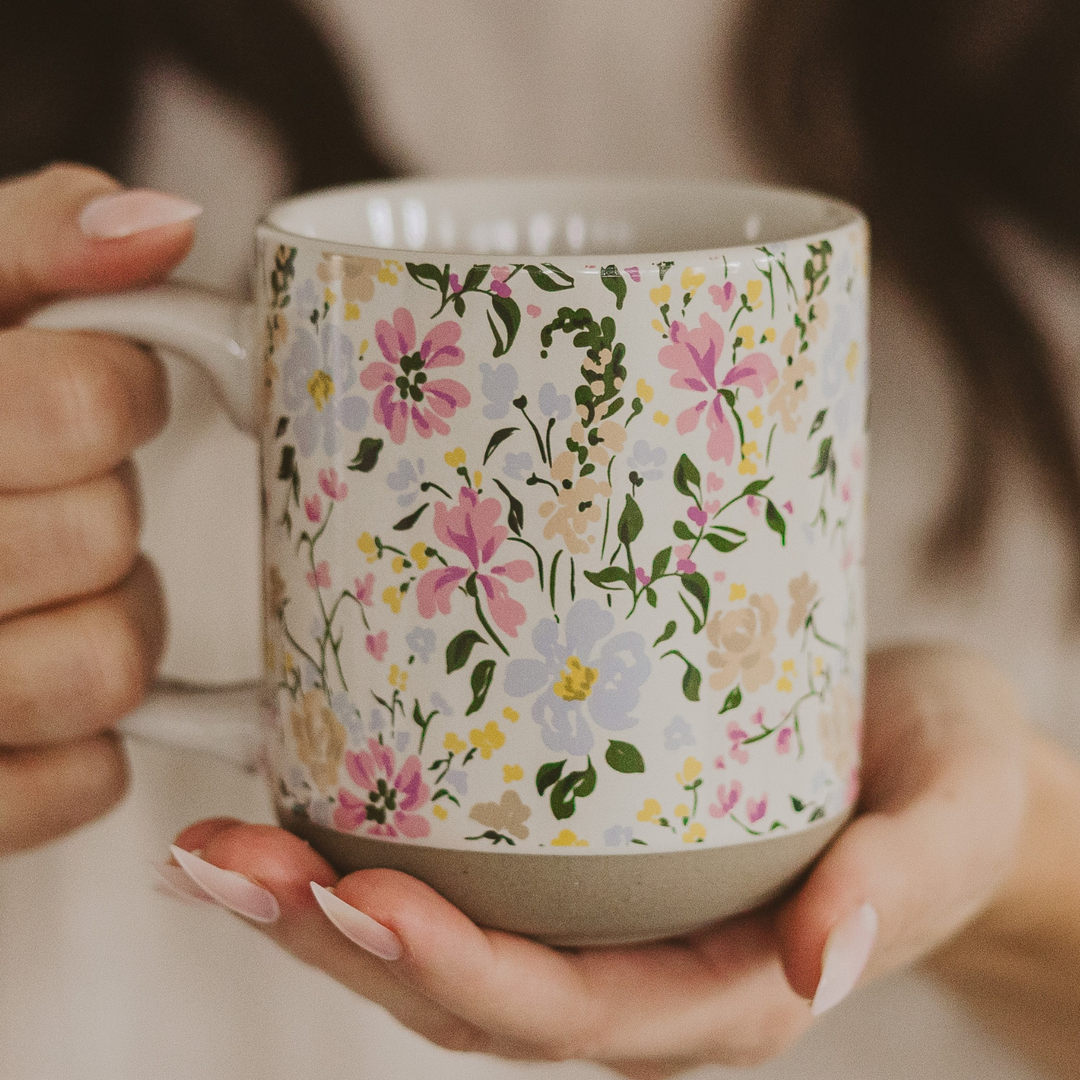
{"x": 511, "y": 714}
{"x": 749, "y": 450}
{"x": 363, "y": 348}
{"x": 748, "y": 467}
{"x": 418, "y": 554}
{"x": 819, "y": 665}
{"x": 366, "y": 543}
{"x": 738, "y": 592}
{"x": 477, "y": 478}
{"x": 690, "y": 771}
{"x": 660, "y": 295}
{"x": 321, "y": 388}
{"x": 575, "y": 681}
{"x": 695, "y": 834}
{"x": 512, "y": 773}
{"x": 753, "y": 291}
{"x": 399, "y": 677}
{"x": 439, "y": 812}
{"x": 851, "y": 361}
{"x": 489, "y": 740}
{"x": 568, "y": 838}
{"x": 682, "y": 810}
{"x": 770, "y": 334}
{"x": 329, "y": 297}
{"x": 398, "y": 564}
{"x": 644, "y": 391}
{"x": 788, "y": 666}
{"x": 387, "y": 276}
{"x": 691, "y": 281}
{"x": 352, "y": 313}
{"x": 746, "y": 334}
{"x": 392, "y": 597}
{"x": 756, "y": 416}
{"x": 784, "y": 684}
{"x": 454, "y": 744}
{"x": 650, "y": 811}
{"x": 454, "y": 457}
{"x": 658, "y": 326}
{"x": 661, "y": 418}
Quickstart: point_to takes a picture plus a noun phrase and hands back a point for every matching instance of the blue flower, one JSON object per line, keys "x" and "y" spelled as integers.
{"x": 553, "y": 403}
{"x": 458, "y": 779}
{"x": 499, "y": 385}
{"x": 618, "y": 836}
{"x": 518, "y": 466}
{"x": 406, "y": 479}
{"x": 678, "y": 733}
{"x": 440, "y": 703}
{"x": 582, "y": 679}
{"x": 646, "y": 461}
{"x": 421, "y": 640}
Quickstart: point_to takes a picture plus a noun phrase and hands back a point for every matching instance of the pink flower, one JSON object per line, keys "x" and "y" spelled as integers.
{"x": 755, "y": 810}
{"x": 718, "y": 575}
{"x": 376, "y": 645}
{"x": 788, "y": 507}
{"x": 313, "y": 508}
{"x": 758, "y": 717}
{"x": 783, "y": 741}
{"x": 470, "y": 528}
{"x": 499, "y": 274}
{"x": 710, "y": 506}
{"x": 693, "y": 355}
{"x": 845, "y": 491}
{"x": 640, "y": 574}
{"x": 405, "y": 390}
{"x": 633, "y": 273}
{"x": 533, "y": 310}
{"x": 737, "y": 737}
{"x": 727, "y": 799}
{"x": 724, "y": 295}
{"x": 455, "y": 283}
{"x": 331, "y": 485}
{"x": 365, "y": 591}
{"x": 714, "y": 482}
{"x": 697, "y": 516}
{"x": 685, "y": 565}
{"x": 753, "y": 504}
{"x": 320, "y": 576}
{"x": 391, "y": 794}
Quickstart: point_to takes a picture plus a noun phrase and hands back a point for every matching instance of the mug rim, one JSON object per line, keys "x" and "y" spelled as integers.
{"x": 841, "y": 214}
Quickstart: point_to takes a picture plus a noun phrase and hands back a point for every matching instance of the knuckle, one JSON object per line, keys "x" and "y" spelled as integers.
{"x": 458, "y": 1037}
{"x": 118, "y": 667}
{"x": 105, "y": 538}
{"x": 67, "y": 176}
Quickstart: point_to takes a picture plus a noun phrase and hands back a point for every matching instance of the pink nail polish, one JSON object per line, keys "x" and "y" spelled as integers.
{"x": 127, "y": 212}
{"x": 846, "y": 954}
{"x": 228, "y": 888}
{"x": 171, "y": 881}
{"x": 359, "y": 928}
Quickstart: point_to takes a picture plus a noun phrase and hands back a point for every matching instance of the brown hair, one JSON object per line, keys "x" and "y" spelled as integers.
{"x": 928, "y": 114}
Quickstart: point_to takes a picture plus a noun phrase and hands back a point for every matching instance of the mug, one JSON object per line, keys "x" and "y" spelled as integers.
{"x": 563, "y": 488}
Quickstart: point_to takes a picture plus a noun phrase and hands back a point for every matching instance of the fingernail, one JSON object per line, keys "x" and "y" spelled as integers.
{"x": 128, "y": 212}
{"x": 846, "y": 953}
{"x": 228, "y": 888}
{"x": 359, "y": 928}
{"x": 171, "y": 881}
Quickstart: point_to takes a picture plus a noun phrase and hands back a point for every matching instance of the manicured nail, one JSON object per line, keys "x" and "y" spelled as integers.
{"x": 359, "y": 928}
{"x": 171, "y": 881}
{"x": 128, "y": 212}
{"x": 846, "y": 953}
{"x": 228, "y": 888}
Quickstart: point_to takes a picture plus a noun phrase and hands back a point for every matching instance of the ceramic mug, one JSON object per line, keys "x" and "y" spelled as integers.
{"x": 563, "y": 491}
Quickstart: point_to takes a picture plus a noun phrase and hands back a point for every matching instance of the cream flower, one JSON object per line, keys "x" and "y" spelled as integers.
{"x": 746, "y": 636}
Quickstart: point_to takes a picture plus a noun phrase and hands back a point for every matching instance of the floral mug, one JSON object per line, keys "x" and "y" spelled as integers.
{"x": 563, "y": 491}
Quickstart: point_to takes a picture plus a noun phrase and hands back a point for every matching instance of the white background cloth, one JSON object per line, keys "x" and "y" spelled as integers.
{"x": 101, "y": 978}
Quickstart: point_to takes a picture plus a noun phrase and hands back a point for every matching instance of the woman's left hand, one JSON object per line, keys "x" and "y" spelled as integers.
{"x": 932, "y": 839}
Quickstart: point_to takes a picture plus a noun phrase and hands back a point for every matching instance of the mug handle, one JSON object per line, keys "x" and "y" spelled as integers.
{"x": 216, "y": 335}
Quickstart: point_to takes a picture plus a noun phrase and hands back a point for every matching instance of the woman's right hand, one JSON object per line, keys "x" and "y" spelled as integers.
{"x": 82, "y": 624}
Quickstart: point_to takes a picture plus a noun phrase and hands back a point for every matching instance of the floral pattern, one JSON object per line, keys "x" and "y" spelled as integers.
{"x": 518, "y": 569}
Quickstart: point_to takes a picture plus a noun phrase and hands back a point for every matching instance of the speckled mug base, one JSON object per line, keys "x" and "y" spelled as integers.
{"x": 578, "y": 900}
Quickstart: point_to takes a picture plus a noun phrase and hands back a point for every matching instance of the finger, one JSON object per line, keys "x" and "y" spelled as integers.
{"x": 938, "y": 819}
{"x": 64, "y": 543}
{"x": 48, "y": 791}
{"x": 284, "y": 865}
{"x": 47, "y": 252}
{"x": 73, "y": 671}
{"x": 74, "y": 405}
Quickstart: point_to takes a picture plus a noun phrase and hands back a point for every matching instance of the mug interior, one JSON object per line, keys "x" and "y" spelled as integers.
{"x": 558, "y": 217}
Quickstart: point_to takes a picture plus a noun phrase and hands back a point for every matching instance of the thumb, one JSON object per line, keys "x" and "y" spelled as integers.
{"x": 71, "y": 230}
{"x": 937, "y": 823}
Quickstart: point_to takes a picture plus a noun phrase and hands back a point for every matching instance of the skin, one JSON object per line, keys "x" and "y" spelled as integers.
{"x": 82, "y": 629}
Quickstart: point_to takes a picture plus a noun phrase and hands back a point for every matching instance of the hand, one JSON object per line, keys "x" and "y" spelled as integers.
{"x": 933, "y": 836}
{"x": 81, "y": 613}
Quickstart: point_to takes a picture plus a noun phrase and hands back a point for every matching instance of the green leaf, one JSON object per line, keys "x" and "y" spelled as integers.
{"x": 429, "y": 276}
{"x": 410, "y": 520}
{"x": 696, "y": 585}
{"x": 612, "y": 280}
{"x": 650, "y": 595}
{"x": 691, "y": 683}
{"x": 574, "y": 785}
{"x": 367, "y": 456}
{"x": 282, "y": 427}
{"x": 515, "y": 516}
{"x": 686, "y": 474}
{"x": 460, "y": 648}
{"x": 817, "y": 814}
{"x": 631, "y": 522}
{"x": 510, "y": 315}
{"x": 609, "y": 576}
{"x": 288, "y": 463}
{"x": 546, "y": 281}
{"x": 660, "y": 563}
{"x": 775, "y": 520}
{"x": 756, "y": 487}
{"x": 823, "y": 455}
{"x": 797, "y": 805}
{"x": 475, "y": 277}
{"x": 816, "y": 425}
{"x": 732, "y": 701}
{"x": 698, "y": 624}
{"x": 547, "y": 774}
{"x": 624, "y": 757}
{"x": 669, "y": 630}
{"x": 500, "y": 436}
{"x": 480, "y": 680}
{"x": 682, "y": 530}
{"x": 722, "y": 543}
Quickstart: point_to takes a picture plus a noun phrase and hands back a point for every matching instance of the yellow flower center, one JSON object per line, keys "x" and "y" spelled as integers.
{"x": 576, "y": 680}
{"x": 321, "y": 388}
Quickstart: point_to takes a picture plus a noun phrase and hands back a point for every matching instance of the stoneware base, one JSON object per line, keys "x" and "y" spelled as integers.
{"x": 577, "y": 900}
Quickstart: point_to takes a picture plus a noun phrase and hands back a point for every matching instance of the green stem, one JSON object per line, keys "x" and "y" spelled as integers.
{"x": 475, "y": 594}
